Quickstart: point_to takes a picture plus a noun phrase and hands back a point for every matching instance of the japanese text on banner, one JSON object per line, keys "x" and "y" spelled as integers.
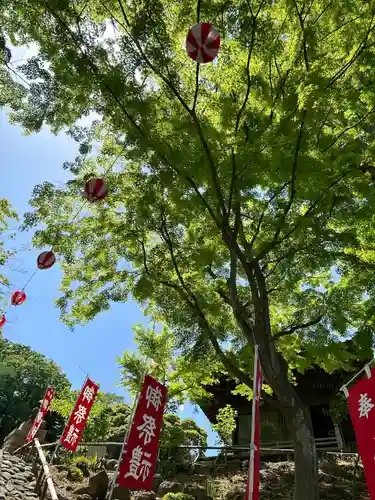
{"x": 361, "y": 401}
{"x": 137, "y": 465}
{"x": 76, "y": 425}
{"x": 43, "y": 410}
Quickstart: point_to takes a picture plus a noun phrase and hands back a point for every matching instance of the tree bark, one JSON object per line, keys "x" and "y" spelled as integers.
{"x": 275, "y": 372}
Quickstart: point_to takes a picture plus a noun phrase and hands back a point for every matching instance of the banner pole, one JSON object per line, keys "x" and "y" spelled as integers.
{"x": 126, "y": 437}
{"x": 65, "y": 424}
{"x": 252, "y": 443}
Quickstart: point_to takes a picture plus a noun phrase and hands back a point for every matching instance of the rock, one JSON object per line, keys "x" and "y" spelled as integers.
{"x": 156, "y": 482}
{"x": 120, "y": 493}
{"x": 237, "y": 492}
{"x": 143, "y": 495}
{"x": 111, "y": 464}
{"x": 196, "y": 491}
{"x": 81, "y": 490}
{"x": 98, "y": 485}
{"x": 169, "y": 487}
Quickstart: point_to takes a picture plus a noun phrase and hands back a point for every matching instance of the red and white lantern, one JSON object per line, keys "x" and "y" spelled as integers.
{"x": 18, "y": 298}
{"x": 96, "y": 189}
{"x": 3, "y": 320}
{"x": 46, "y": 260}
{"x": 202, "y": 43}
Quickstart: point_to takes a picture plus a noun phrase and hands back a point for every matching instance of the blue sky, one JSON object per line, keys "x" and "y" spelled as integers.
{"x": 26, "y": 162}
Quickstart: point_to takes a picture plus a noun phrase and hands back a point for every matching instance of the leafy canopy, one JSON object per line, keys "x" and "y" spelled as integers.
{"x": 24, "y": 376}
{"x": 241, "y": 192}
{"x": 158, "y": 356}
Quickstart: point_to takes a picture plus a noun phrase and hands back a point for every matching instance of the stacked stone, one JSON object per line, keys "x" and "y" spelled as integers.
{"x": 17, "y": 481}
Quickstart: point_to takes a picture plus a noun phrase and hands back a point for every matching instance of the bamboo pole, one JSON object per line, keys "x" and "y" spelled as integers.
{"x": 47, "y": 474}
{"x": 252, "y": 443}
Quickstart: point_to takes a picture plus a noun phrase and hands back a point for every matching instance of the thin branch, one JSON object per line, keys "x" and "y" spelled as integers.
{"x": 295, "y": 328}
{"x": 372, "y": 110}
{"x": 323, "y": 11}
{"x": 301, "y": 22}
{"x": 191, "y": 112}
{"x": 339, "y": 27}
{"x": 293, "y": 190}
{"x": 277, "y": 193}
{"x": 341, "y": 72}
{"x": 275, "y": 243}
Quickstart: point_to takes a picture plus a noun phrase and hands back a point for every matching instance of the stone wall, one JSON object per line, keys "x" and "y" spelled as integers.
{"x": 17, "y": 481}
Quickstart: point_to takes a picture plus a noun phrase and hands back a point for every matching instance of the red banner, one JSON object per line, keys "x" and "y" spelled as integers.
{"x": 76, "y": 425}
{"x": 44, "y": 407}
{"x": 253, "y": 479}
{"x": 361, "y": 401}
{"x": 137, "y": 465}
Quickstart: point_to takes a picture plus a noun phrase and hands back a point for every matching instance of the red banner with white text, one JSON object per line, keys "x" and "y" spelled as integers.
{"x": 253, "y": 479}
{"x": 76, "y": 425}
{"x": 137, "y": 465}
{"x": 361, "y": 402}
{"x": 44, "y": 407}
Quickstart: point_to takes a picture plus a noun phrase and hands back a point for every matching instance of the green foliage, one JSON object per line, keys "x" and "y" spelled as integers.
{"x": 99, "y": 423}
{"x": 241, "y": 192}
{"x": 177, "y": 496}
{"x": 225, "y": 424}
{"x": 75, "y": 474}
{"x": 282, "y": 138}
{"x": 157, "y": 355}
{"x": 177, "y": 433}
{"x": 24, "y": 376}
{"x": 118, "y": 422}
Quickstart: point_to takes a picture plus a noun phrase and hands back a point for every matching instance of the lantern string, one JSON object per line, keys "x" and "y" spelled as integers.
{"x": 83, "y": 204}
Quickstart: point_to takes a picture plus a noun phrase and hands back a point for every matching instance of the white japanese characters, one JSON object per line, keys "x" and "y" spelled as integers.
{"x": 154, "y": 397}
{"x": 88, "y": 394}
{"x": 139, "y": 466}
{"x": 365, "y": 405}
{"x": 147, "y": 429}
{"x": 140, "y": 463}
{"x": 72, "y": 435}
{"x": 80, "y": 414}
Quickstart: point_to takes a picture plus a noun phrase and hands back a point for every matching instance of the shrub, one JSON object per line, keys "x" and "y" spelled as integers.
{"x": 75, "y": 474}
{"x": 177, "y": 496}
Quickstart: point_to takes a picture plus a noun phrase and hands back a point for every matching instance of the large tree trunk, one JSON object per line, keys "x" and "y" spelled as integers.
{"x": 299, "y": 424}
{"x": 275, "y": 370}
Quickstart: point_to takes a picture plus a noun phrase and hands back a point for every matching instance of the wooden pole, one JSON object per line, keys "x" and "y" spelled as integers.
{"x": 47, "y": 474}
{"x": 252, "y": 443}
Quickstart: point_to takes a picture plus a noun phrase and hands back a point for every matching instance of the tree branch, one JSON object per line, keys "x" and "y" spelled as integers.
{"x": 301, "y": 22}
{"x": 293, "y": 179}
{"x": 355, "y": 56}
{"x": 295, "y": 328}
{"x": 372, "y": 110}
{"x": 274, "y": 196}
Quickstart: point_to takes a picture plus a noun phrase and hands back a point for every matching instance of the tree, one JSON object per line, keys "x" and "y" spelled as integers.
{"x": 99, "y": 423}
{"x": 24, "y": 376}
{"x": 241, "y": 192}
{"x": 157, "y": 355}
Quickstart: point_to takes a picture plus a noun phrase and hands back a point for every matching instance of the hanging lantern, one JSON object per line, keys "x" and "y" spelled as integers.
{"x": 202, "y": 43}
{"x": 2, "y": 320}
{"x": 46, "y": 260}
{"x": 18, "y": 298}
{"x": 96, "y": 189}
